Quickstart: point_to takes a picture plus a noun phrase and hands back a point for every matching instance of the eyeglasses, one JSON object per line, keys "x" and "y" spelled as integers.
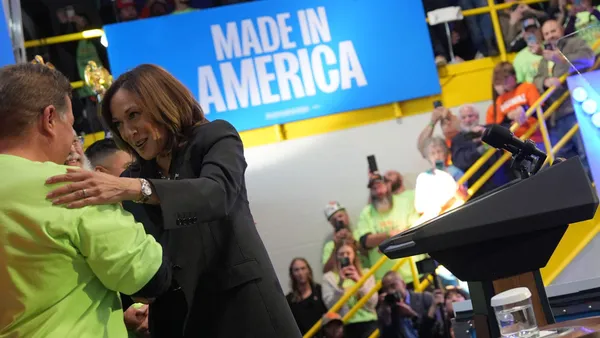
{"x": 79, "y": 140}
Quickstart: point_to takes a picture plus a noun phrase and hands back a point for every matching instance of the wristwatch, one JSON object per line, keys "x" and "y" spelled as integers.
{"x": 146, "y": 191}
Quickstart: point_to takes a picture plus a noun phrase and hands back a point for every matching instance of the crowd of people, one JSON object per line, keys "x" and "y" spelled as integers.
{"x": 546, "y": 50}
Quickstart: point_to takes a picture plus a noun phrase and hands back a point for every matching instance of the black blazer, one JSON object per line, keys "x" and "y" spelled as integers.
{"x": 226, "y": 283}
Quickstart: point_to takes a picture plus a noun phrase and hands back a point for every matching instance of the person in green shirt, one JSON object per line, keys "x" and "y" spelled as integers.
{"x": 528, "y": 59}
{"x": 62, "y": 268}
{"x": 340, "y": 221}
{"x": 387, "y": 215}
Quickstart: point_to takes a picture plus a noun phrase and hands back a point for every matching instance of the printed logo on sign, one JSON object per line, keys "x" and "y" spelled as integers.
{"x": 259, "y": 63}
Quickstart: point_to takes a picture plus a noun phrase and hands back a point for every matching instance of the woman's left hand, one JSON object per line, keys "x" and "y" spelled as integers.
{"x": 92, "y": 188}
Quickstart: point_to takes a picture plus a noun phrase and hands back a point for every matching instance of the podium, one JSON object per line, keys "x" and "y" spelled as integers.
{"x": 500, "y": 240}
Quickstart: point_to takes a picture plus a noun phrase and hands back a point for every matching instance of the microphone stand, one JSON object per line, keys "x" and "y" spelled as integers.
{"x": 527, "y": 160}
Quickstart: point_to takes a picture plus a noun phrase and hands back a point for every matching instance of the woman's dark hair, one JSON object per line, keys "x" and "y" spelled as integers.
{"x": 296, "y": 295}
{"x": 160, "y": 94}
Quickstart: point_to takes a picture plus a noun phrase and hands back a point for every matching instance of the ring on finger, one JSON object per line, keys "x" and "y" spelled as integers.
{"x": 84, "y": 193}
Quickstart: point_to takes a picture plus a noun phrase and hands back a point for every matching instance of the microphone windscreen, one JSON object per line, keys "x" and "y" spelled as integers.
{"x": 497, "y": 136}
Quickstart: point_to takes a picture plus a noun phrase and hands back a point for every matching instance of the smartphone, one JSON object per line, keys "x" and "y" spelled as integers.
{"x": 531, "y": 39}
{"x": 548, "y": 46}
{"x": 344, "y": 262}
{"x": 439, "y": 165}
{"x": 372, "y": 164}
{"x": 577, "y": 2}
{"x": 339, "y": 225}
{"x": 437, "y": 104}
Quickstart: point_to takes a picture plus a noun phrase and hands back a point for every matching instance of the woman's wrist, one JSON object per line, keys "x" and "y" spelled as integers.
{"x": 132, "y": 189}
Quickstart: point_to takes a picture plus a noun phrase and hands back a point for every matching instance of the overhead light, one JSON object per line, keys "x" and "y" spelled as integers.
{"x": 579, "y": 94}
{"x": 596, "y": 120}
{"x": 589, "y": 106}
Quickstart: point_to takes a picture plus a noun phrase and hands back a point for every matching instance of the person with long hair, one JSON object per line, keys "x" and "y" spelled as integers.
{"x": 511, "y": 100}
{"x": 344, "y": 276}
{"x": 188, "y": 183}
{"x": 306, "y": 298}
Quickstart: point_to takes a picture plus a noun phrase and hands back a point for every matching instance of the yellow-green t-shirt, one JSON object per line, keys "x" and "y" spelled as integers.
{"x": 62, "y": 268}
{"x": 363, "y": 314}
{"x": 400, "y": 217}
{"x": 588, "y": 28}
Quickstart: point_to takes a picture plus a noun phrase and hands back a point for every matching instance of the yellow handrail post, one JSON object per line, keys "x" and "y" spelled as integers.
{"x": 415, "y": 273}
{"x": 545, "y": 135}
{"x": 497, "y": 29}
{"x": 566, "y": 138}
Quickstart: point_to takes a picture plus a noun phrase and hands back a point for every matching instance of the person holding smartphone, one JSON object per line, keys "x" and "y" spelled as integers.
{"x": 340, "y": 221}
{"x": 346, "y": 273}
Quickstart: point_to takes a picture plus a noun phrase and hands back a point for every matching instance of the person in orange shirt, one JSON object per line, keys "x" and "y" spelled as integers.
{"x": 511, "y": 101}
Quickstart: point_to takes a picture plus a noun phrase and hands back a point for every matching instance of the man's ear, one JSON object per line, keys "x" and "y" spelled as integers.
{"x": 49, "y": 120}
{"x": 101, "y": 169}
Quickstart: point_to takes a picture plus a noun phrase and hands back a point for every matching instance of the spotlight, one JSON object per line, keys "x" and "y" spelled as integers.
{"x": 579, "y": 94}
{"x": 596, "y": 120}
{"x": 589, "y": 106}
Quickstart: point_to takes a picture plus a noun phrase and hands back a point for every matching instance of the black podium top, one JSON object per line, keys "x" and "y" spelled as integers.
{"x": 505, "y": 232}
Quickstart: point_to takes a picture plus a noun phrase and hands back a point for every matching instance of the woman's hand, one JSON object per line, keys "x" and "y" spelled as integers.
{"x": 350, "y": 272}
{"x": 92, "y": 188}
{"x": 517, "y": 115}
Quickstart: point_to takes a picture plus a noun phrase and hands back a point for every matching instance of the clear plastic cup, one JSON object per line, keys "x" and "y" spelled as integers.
{"x": 514, "y": 313}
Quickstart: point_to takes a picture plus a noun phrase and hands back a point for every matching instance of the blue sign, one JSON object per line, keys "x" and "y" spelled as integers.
{"x": 6, "y": 51}
{"x": 269, "y": 62}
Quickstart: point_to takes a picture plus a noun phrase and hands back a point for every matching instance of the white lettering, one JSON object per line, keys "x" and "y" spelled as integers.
{"x": 265, "y": 78}
{"x": 226, "y": 46}
{"x": 306, "y": 70}
{"x": 284, "y": 31}
{"x": 288, "y": 74}
{"x": 319, "y": 72}
{"x": 318, "y": 24}
{"x": 269, "y": 35}
{"x": 250, "y": 41}
{"x": 239, "y": 90}
{"x": 284, "y": 76}
{"x": 304, "y": 31}
{"x": 209, "y": 90}
{"x": 350, "y": 67}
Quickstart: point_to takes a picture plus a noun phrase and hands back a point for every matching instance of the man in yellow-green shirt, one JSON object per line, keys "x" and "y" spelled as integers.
{"x": 387, "y": 215}
{"x": 62, "y": 268}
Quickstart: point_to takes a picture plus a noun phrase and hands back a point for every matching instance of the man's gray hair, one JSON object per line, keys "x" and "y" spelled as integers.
{"x": 468, "y": 106}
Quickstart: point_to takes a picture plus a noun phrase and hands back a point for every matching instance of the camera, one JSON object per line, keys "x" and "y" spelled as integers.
{"x": 339, "y": 225}
{"x": 344, "y": 262}
{"x": 471, "y": 135}
{"x": 392, "y": 298}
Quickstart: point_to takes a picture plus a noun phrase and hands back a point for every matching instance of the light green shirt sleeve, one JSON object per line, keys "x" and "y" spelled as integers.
{"x": 117, "y": 249}
{"x": 519, "y": 68}
{"x": 365, "y": 224}
{"x": 327, "y": 250}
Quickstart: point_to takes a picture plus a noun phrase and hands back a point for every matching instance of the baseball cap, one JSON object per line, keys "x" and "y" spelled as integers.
{"x": 530, "y": 22}
{"x": 331, "y": 317}
{"x": 331, "y": 208}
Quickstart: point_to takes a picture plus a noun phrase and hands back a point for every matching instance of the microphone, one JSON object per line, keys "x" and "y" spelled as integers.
{"x": 502, "y": 138}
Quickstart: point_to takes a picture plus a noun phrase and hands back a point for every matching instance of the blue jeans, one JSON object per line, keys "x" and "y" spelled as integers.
{"x": 480, "y": 26}
{"x": 574, "y": 147}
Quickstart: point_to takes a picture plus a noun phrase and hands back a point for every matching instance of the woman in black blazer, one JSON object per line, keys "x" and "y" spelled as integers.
{"x": 188, "y": 186}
